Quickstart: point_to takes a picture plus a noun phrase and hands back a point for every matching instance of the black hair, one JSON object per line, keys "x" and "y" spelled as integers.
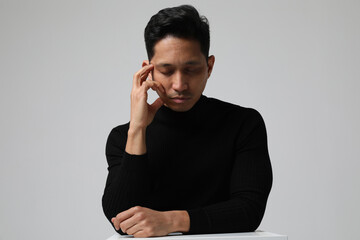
{"x": 183, "y": 22}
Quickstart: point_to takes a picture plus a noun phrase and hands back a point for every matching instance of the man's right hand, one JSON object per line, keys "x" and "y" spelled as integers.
{"x": 142, "y": 113}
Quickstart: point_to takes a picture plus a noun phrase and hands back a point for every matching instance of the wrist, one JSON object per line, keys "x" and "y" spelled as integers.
{"x": 135, "y": 143}
{"x": 136, "y": 131}
{"x": 180, "y": 221}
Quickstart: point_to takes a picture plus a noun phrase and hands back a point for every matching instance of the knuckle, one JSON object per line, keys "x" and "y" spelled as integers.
{"x": 136, "y": 75}
{"x": 133, "y": 94}
{"x": 141, "y": 216}
{"x": 122, "y": 226}
{"x": 137, "y": 208}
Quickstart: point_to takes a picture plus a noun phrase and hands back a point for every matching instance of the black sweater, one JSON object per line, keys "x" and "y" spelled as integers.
{"x": 212, "y": 161}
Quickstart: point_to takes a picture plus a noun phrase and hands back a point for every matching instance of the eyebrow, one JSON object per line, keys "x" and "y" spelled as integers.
{"x": 191, "y": 63}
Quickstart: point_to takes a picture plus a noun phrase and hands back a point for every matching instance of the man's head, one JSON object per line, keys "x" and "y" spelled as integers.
{"x": 181, "y": 22}
{"x": 177, "y": 42}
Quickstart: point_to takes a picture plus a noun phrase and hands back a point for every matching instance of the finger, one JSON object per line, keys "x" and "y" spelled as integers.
{"x": 153, "y": 85}
{"x": 140, "y": 234}
{"x": 134, "y": 228}
{"x": 142, "y": 74}
{"x": 128, "y": 224}
{"x": 144, "y": 70}
{"x": 161, "y": 91}
{"x": 122, "y": 217}
{"x": 116, "y": 223}
{"x": 160, "y": 87}
{"x": 139, "y": 76}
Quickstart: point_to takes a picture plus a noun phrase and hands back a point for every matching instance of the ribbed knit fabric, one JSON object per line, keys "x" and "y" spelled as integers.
{"x": 212, "y": 161}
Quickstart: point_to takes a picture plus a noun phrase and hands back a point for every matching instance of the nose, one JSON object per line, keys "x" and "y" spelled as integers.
{"x": 179, "y": 82}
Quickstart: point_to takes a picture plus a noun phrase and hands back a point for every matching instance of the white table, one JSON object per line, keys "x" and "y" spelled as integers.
{"x": 258, "y": 235}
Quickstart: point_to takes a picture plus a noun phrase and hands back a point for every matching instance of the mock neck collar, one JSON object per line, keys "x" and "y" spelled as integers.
{"x": 166, "y": 114}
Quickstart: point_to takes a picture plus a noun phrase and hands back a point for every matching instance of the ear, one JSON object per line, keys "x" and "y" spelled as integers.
{"x": 211, "y": 61}
{"x": 145, "y": 63}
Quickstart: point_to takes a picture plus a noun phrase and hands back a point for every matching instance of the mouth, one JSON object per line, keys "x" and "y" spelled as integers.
{"x": 180, "y": 99}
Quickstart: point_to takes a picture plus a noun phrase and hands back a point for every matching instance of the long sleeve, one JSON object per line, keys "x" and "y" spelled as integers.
{"x": 128, "y": 179}
{"x": 250, "y": 184}
{"x": 211, "y": 161}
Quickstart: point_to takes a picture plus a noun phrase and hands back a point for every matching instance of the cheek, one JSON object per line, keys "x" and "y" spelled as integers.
{"x": 161, "y": 79}
{"x": 199, "y": 82}
{"x": 156, "y": 76}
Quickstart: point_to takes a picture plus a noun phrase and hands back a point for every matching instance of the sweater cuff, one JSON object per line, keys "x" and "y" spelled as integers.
{"x": 199, "y": 222}
{"x": 134, "y": 162}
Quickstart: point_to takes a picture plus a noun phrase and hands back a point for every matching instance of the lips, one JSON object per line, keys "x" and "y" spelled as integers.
{"x": 180, "y": 99}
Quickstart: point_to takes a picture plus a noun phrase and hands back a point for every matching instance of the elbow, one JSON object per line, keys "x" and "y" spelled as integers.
{"x": 107, "y": 211}
{"x": 109, "y": 215}
{"x": 255, "y": 218}
{"x": 254, "y": 224}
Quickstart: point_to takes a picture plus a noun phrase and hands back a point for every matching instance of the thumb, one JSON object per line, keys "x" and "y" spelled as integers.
{"x": 156, "y": 105}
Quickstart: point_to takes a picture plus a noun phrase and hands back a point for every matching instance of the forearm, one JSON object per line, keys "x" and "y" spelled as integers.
{"x": 136, "y": 143}
{"x": 127, "y": 185}
{"x": 234, "y": 215}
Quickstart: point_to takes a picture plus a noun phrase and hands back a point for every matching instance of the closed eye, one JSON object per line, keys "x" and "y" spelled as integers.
{"x": 192, "y": 70}
{"x": 168, "y": 73}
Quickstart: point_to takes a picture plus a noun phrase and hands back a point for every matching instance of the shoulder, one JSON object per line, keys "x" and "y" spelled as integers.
{"x": 233, "y": 110}
{"x": 118, "y": 135}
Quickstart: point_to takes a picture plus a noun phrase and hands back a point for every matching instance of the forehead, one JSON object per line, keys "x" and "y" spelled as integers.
{"x": 177, "y": 51}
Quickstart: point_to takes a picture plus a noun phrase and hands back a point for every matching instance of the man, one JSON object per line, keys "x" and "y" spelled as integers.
{"x": 186, "y": 163}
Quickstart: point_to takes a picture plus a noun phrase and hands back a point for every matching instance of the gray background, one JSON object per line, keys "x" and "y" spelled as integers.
{"x": 66, "y": 69}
